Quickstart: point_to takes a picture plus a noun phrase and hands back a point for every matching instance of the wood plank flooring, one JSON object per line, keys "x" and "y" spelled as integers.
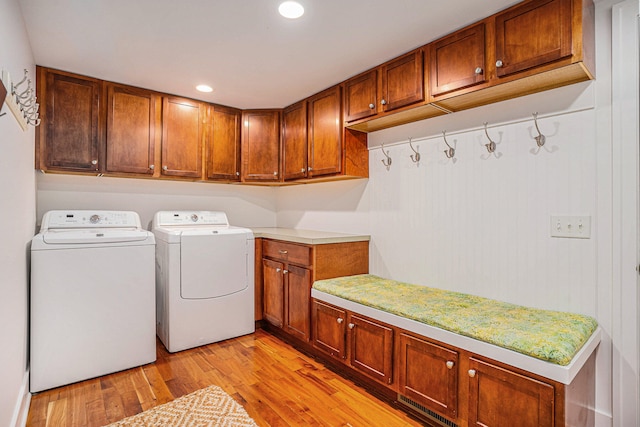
{"x": 276, "y": 384}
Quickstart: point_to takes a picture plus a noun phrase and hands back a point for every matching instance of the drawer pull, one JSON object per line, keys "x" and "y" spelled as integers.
{"x": 472, "y": 373}
{"x": 283, "y": 252}
{"x": 339, "y": 320}
{"x": 449, "y": 364}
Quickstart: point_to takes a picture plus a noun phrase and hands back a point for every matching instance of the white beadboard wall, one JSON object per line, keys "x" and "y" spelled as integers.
{"x": 479, "y": 224}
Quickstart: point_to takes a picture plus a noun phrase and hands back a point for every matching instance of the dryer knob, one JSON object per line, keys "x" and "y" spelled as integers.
{"x": 194, "y": 217}
{"x": 94, "y": 219}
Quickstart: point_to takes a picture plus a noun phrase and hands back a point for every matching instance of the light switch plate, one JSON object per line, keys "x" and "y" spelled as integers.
{"x": 577, "y": 227}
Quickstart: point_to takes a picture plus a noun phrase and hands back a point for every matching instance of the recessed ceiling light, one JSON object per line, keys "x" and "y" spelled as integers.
{"x": 204, "y": 88}
{"x": 291, "y": 9}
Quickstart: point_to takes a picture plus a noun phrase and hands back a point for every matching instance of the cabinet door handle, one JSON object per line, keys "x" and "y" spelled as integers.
{"x": 275, "y": 173}
{"x": 152, "y": 167}
{"x": 499, "y": 63}
{"x": 303, "y": 170}
{"x": 449, "y": 364}
{"x": 351, "y": 326}
{"x": 285, "y": 271}
{"x": 478, "y": 70}
{"x": 383, "y": 102}
{"x": 237, "y": 173}
{"x": 472, "y": 373}
{"x": 372, "y": 106}
{"x": 283, "y": 252}
{"x": 339, "y": 320}
{"x": 164, "y": 168}
{"x": 278, "y": 270}
{"x": 94, "y": 162}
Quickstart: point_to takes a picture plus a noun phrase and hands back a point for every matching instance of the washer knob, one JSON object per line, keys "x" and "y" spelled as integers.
{"x": 93, "y": 219}
{"x": 194, "y": 217}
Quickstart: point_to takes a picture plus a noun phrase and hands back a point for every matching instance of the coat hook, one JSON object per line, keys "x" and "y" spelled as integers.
{"x": 491, "y": 146}
{"x": 387, "y": 162}
{"x": 450, "y": 152}
{"x": 415, "y": 157}
{"x": 540, "y": 139}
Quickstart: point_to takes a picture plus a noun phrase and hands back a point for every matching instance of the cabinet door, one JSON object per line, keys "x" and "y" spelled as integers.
{"x": 536, "y": 33}
{"x": 428, "y": 374}
{"x": 371, "y": 348}
{"x": 402, "y": 81}
{"x": 298, "y": 295}
{"x": 223, "y": 146}
{"x": 325, "y": 132}
{"x": 458, "y": 60}
{"x": 260, "y": 145}
{"x": 182, "y": 130}
{"x": 361, "y": 96}
{"x": 131, "y": 114}
{"x": 71, "y": 139}
{"x": 502, "y": 398}
{"x": 294, "y": 141}
{"x": 329, "y": 329}
{"x": 273, "y": 298}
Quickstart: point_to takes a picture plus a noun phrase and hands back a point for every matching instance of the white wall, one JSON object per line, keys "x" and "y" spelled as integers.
{"x": 249, "y": 206}
{"x": 482, "y": 224}
{"x": 17, "y": 221}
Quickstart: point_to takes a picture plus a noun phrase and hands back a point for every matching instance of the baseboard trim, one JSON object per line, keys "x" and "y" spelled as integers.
{"x": 21, "y": 411}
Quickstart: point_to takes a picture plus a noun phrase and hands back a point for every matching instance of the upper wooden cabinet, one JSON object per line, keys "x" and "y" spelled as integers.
{"x": 223, "y": 144}
{"x": 361, "y": 96}
{"x": 183, "y": 122}
{"x": 294, "y": 141}
{"x": 458, "y": 60}
{"x": 131, "y": 122}
{"x": 325, "y": 133}
{"x": 69, "y": 138}
{"x": 261, "y": 145}
{"x": 393, "y": 85}
{"x": 532, "y": 34}
{"x": 402, "y": 81}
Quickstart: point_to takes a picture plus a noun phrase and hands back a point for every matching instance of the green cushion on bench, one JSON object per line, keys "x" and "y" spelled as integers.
{"x": 548, "y": 335}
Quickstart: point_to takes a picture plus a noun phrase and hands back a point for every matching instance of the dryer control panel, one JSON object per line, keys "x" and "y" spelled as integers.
{"x": 216, "y": 218}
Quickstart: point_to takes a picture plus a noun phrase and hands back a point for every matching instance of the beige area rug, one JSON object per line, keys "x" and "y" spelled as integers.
{"x": 208, "y": 407}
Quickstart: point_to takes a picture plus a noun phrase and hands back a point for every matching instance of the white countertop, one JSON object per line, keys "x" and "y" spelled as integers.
{"x": 308, "y": 237}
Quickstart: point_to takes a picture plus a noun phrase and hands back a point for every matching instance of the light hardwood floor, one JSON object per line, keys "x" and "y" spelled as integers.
{"x": 276, "y": 384}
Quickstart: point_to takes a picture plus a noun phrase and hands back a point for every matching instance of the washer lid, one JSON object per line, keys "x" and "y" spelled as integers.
{"x": 94, "y": 235}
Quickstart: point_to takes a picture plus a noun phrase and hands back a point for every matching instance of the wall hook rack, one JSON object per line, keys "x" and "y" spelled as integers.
{"x": 415, "y": 157}
{"x": 449, "y": 152}
{"x": 22, "y": 103}
{"x": 387, "y": 162}
{"x": 491, "y": 145}
{"x": 540, "y": 139}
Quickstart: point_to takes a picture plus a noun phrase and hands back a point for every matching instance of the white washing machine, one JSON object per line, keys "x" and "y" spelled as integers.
{"x": 92, "y": 296}
{"x": 204, "y": 278}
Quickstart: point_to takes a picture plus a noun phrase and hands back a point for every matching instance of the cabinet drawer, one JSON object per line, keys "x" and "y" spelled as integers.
{"x": 289, "y": 252}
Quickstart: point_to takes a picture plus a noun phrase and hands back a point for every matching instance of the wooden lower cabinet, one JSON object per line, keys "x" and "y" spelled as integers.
{"x": 329, "y": 329}
{"x": 288, "y": 271}
{"x": 498, "y": 396}
{"x": 428, "y": 374}
{"x": 370, "y": 348}
{"x": 438, "y": 381}
{"x": 362, "y": 343}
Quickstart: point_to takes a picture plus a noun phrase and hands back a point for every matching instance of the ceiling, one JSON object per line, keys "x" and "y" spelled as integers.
{"x": 249, "y": 54}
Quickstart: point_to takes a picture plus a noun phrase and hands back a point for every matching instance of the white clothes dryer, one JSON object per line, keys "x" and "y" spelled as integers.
{"x": 92, "y": 297}
{"x": 204, "y": 279}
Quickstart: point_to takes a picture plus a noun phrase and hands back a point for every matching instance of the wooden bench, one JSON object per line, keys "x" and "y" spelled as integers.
{"x": 542, "y": 360}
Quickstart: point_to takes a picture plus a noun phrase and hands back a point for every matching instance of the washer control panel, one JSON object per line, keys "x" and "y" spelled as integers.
{"x": 210, "y": 218}
{"x": 90, "y": 219}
